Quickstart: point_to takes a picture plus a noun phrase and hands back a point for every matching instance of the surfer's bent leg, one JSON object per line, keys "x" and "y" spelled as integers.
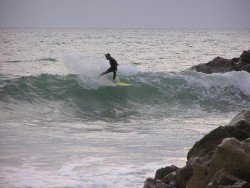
{"x": 111, "y": 69}
{"x": 103, "y": 73}
{"x": 114, "y": 74}
{"x": 106, "y": 72}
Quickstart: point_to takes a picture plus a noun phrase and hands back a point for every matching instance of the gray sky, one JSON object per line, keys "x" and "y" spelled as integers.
{"x": 125, "y": 13}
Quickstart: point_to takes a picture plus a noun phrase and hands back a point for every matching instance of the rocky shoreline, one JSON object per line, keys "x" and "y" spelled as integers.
{"x": 220, "y": 159}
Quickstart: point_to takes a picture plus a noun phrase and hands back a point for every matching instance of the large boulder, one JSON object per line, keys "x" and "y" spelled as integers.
{"x": 162, "y": 172}
{"x": 229, "y": 165}
{"x": 217, "y": 65}
{"x": 243, "y": 62}
{"x": 226, "y": 180}
{"x": 245, "y": 57}
{"x": 233, "y": 157}
{"x": 222, "y": 65}
{"x": 152, "y": 183}
{"x": 239, "y": 128}
{"x": 164, "y": 178}
{"x": 183, "y": 175}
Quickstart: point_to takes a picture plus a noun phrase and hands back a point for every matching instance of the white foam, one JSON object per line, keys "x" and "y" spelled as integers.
{"x": 89, "y": 172}
{"x": 240, "y": 80}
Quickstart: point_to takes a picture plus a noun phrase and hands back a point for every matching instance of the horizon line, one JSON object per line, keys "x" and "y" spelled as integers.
{"x": 160, "y": 28}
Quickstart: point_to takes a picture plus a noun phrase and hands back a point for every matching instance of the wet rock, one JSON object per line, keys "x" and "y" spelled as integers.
{"x": 217, "y": 65}
{"x": 233, "y": 157}
{"x": 200, "y": 173}
{"x": 160, "y": 173}
{"x": 152, "y": 183}
{"x": 247, "y": 68}
{"x": 220, "y": 159}
{"x": 169, "y": 178}
{"x": 222, "y": 65}
{"x": 238, "y": 128}
{"x": 183, "y": 175}
{"x": 227, "y": 180}
{"x": 245, "y": 57}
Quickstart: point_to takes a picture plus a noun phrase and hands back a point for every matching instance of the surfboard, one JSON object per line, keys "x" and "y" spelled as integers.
{"x": 123, "y": 84}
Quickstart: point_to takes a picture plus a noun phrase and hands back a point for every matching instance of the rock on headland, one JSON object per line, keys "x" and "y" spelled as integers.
{"x": 220, "y": 159}
{"x": 222, "y": 65}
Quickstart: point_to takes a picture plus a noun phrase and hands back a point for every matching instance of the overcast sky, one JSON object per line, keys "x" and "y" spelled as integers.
{"x": 125, "y": 13}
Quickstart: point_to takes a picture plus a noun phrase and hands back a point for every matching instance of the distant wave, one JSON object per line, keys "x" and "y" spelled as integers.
{"x": 13, "y": 61}
{"x": 47, "y": 59}
{"x": 41, "y": 59}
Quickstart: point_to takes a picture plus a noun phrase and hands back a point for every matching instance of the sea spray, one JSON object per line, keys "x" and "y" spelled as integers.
{"x": 239, "y": 80}
{"x": 89, "y": 66}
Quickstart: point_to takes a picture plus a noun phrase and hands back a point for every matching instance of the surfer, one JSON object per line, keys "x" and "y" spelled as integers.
{"x": 113, "y": 66}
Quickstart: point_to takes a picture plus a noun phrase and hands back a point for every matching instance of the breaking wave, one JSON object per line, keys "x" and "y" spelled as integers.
{"x": 185, "y": 88}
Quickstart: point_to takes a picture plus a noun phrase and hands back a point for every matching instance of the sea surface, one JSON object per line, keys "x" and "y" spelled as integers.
{"x": 62, "y": 126}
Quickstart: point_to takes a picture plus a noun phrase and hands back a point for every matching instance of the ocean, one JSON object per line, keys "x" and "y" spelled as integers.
{"x": 62, "y": 126}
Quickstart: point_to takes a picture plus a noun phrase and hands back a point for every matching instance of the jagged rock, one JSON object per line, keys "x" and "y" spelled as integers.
{"x": 245, "y": 57}
{"x": 241, "y": 120}
{"x": 183, "y": 175}
{"x": 238, "y": 128}
{"x": 221, "y": 159}
{"x": 247, "y": 68}
{"x": 169, "y": 178}
{"x": 226, "y": 180}
{"x": 151, "y": 183}
{"x": 234, "y": 157}
{"x": 160, "y": 173}
{"x": 247, "y": 141}
{"x": 243, "y": 62}
{"x": 222, "y": 65}
{"x": 217, "y": 65}
{"x": 199, "y": 177}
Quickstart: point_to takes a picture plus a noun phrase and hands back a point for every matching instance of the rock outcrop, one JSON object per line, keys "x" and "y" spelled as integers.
{"x": 220, "y": 159}
{"x": 222, "y": 65}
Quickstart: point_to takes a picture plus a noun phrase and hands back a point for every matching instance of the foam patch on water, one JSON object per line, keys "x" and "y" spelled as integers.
{"x": 88, "y": 173}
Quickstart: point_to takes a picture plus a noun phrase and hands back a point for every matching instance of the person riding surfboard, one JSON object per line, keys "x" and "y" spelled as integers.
{"x": 113, "y": 66}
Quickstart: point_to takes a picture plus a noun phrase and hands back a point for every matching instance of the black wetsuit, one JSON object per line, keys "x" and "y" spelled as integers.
{"x": 113, "y": 68}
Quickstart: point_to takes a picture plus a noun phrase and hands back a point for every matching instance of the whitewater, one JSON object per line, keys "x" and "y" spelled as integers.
{"x": 63, "y": 126}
